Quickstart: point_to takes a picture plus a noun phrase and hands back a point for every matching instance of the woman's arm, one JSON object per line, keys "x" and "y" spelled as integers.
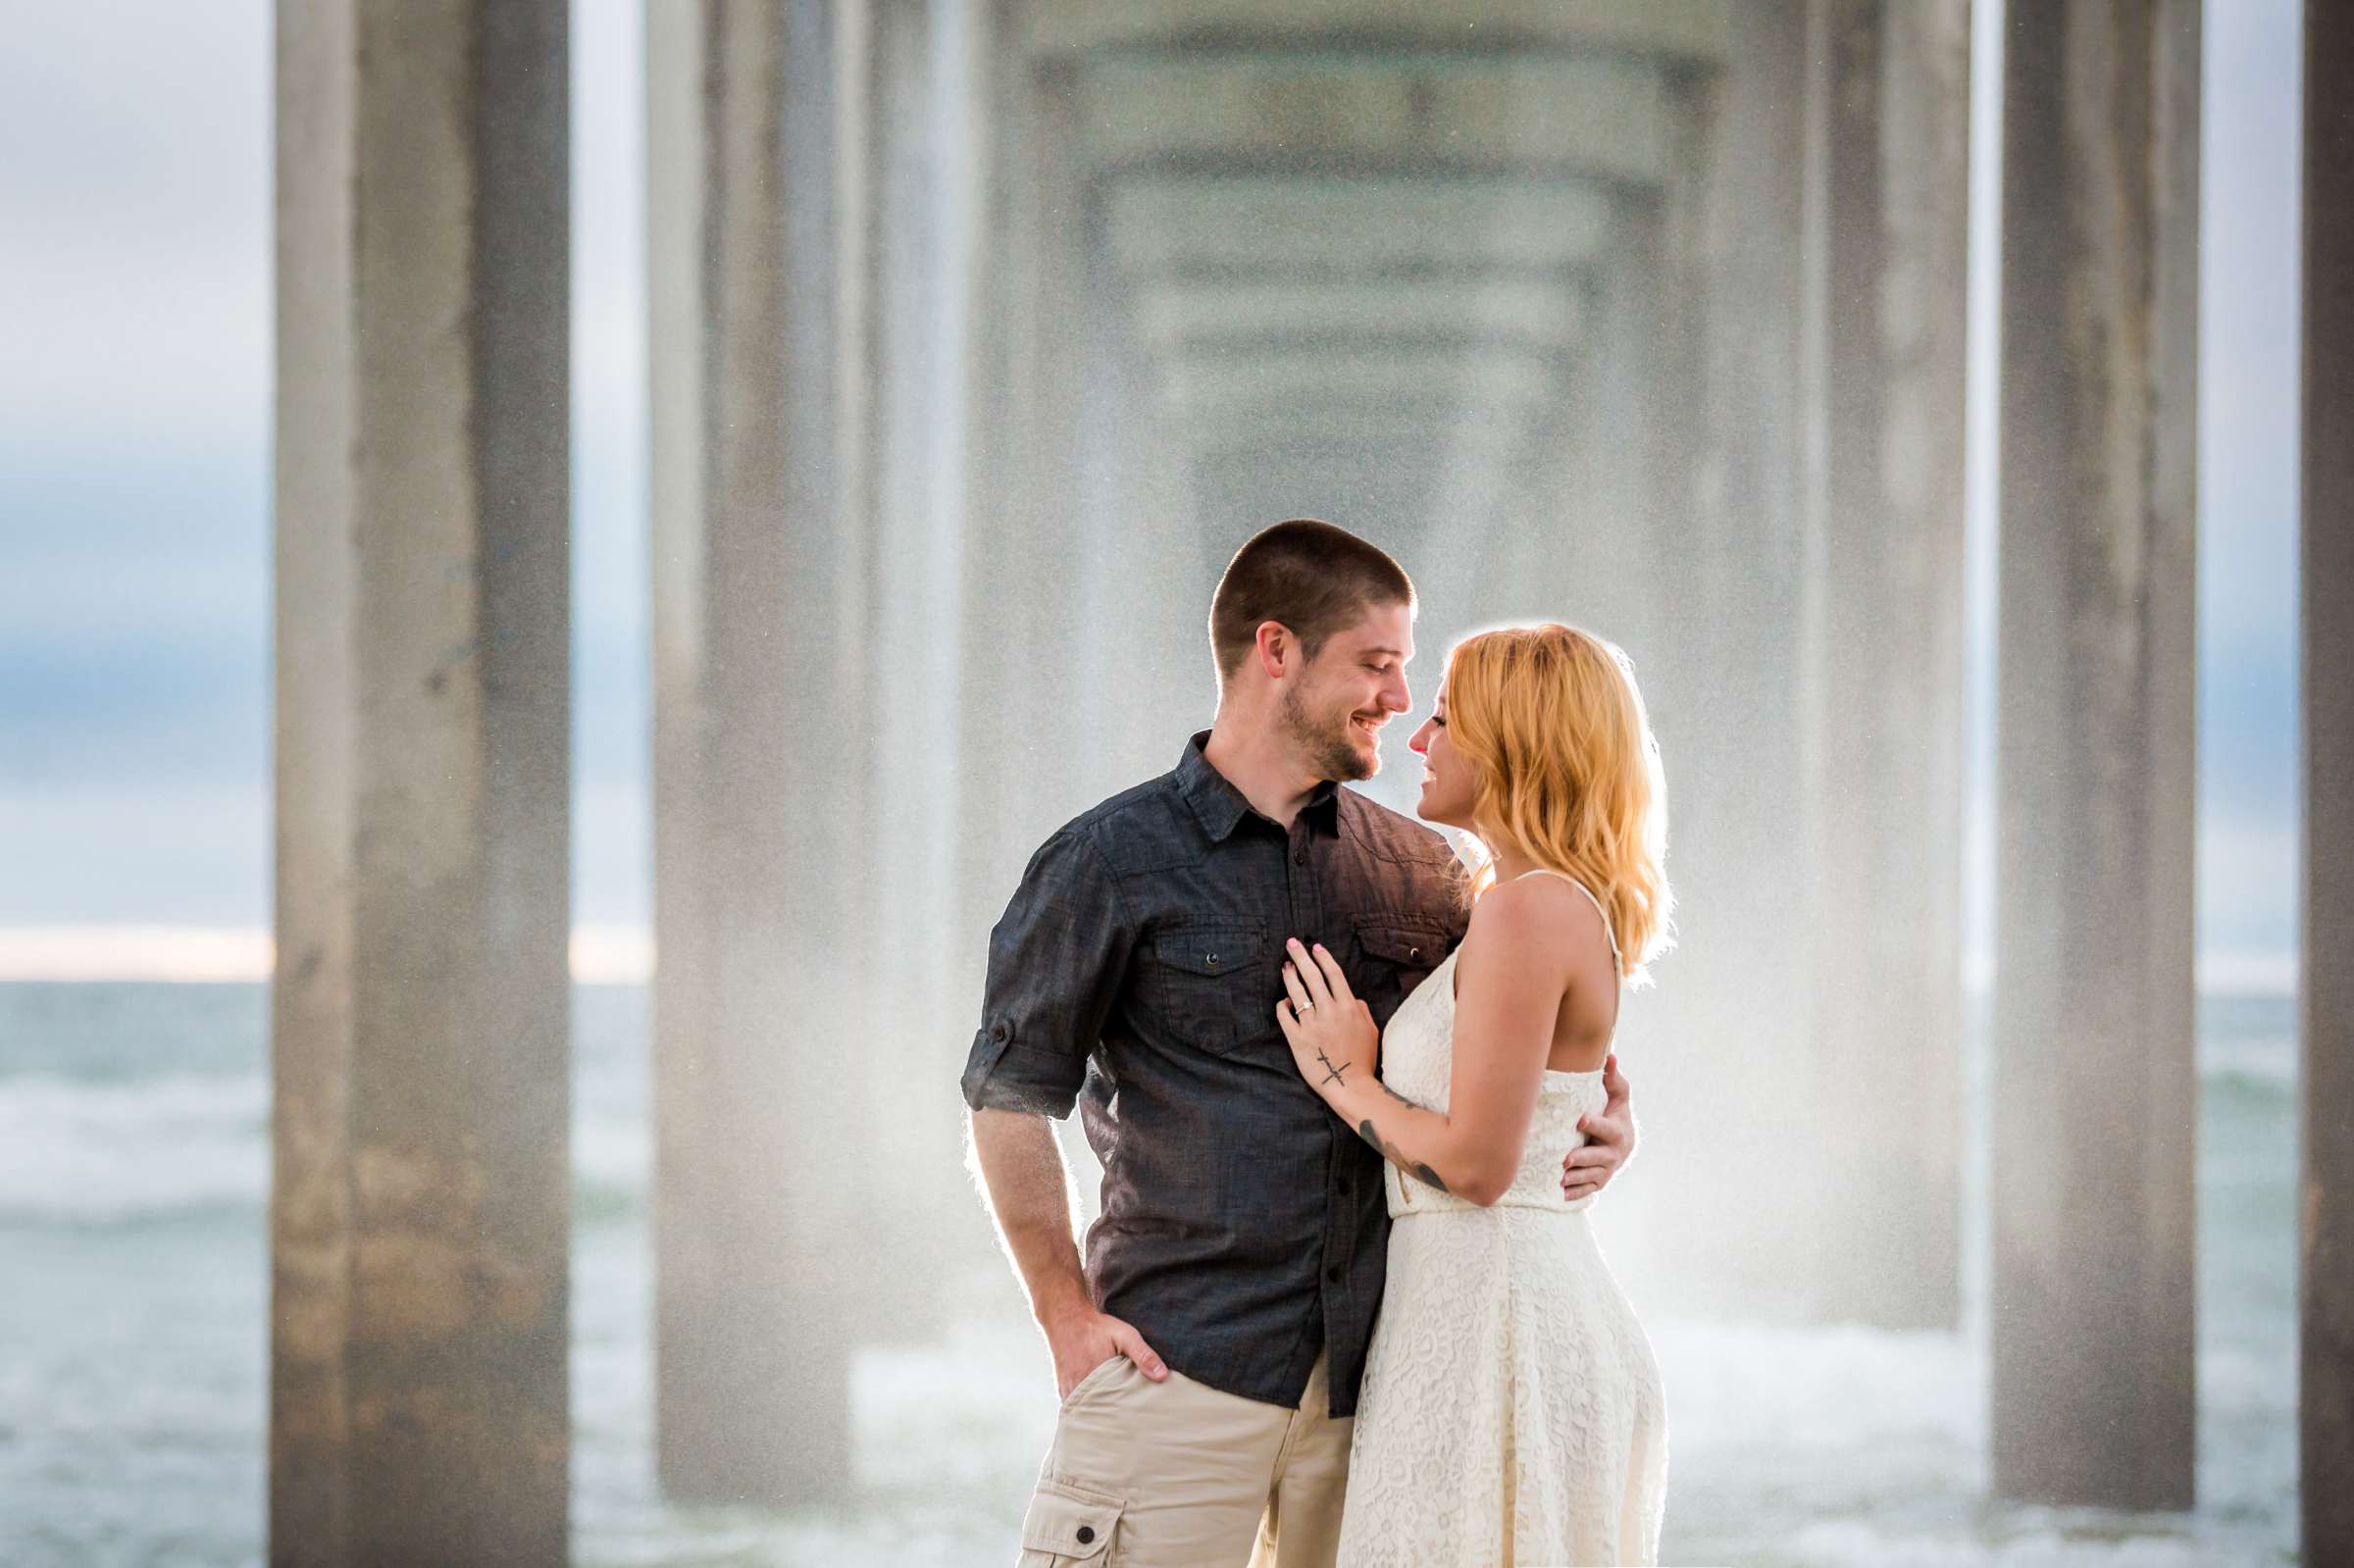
{"x": 1513, "y": 971}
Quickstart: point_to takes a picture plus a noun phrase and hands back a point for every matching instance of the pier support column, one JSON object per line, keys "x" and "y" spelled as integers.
{"x": 2095, "y": 1083}
{"x": 762, "y": 593}
{"x": 922, "y": 1019}
{"x": 1021, "y": 768}
{"x": 1881, "y": 658}
{"x": 1720, "y": 676}
{"x": 2325, "y": 1081}
{"x": 420, "y": 1200}
{"x": 992, "y": 576}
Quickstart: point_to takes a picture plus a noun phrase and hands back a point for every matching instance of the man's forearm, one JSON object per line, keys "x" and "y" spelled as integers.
{"x": 1028, "y": 1187}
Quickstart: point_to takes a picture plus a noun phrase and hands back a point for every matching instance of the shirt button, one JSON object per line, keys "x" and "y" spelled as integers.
{"x": 1086, "y": 1533}
{"x": 1211, "y": 960}
{"x": 1300, "y": 856}
{"x": 998, "y": 1030}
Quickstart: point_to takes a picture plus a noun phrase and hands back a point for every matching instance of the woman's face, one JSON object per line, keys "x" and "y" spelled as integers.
{"x": 1445, "y": 772}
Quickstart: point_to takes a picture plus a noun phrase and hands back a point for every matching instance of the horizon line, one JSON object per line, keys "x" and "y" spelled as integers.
{"x": 621, "y": 954}
{"x": 128, "y": 952}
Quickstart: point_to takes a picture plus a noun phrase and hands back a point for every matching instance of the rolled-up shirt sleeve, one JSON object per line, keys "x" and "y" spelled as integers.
{"x": 1057, "y": 961}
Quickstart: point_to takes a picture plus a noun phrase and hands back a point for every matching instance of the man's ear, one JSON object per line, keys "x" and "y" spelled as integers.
{"x": 1277, "y": 650}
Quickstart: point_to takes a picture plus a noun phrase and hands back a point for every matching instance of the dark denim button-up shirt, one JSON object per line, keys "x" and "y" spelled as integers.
{"x": 1136, "y": 971}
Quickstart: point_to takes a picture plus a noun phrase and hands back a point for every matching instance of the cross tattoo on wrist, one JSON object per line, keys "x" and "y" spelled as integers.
{"x": 1333, "y": 1075}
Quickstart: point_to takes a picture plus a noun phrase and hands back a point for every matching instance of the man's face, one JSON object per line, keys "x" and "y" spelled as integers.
{"x": 1334, "y": 709}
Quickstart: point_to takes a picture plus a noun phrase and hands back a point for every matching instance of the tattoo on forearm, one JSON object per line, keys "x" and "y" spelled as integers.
{"x": 1333, "y": 1074}
{"x": 1393, "y": 1094}
{"x": 1395, "y": 1155}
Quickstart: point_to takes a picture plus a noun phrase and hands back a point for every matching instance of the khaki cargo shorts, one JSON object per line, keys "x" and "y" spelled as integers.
{"x": 1178, "y": 1474}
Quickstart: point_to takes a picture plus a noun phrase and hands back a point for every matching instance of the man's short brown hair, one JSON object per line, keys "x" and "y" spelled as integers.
{"x": 1313, "y": 578}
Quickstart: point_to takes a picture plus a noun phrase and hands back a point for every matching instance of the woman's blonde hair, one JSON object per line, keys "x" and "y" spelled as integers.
{"x": 1565, "y": 769}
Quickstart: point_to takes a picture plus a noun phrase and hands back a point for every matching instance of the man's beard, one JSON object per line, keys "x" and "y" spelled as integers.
{"x": 1328, "y": 746}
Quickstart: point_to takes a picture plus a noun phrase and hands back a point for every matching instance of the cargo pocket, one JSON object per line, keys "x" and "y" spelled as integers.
{"x": 1069, "y": 1524}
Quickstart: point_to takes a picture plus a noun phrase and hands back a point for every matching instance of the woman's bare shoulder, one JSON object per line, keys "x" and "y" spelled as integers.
{"x": 1533, "y": 914}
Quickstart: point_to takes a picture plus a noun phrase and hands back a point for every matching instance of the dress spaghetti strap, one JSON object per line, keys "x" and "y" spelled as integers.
{"x": 1616, "y": 958}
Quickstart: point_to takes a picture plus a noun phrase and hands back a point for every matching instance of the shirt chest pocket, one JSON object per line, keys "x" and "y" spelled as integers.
{"x": 1213, "y": 984}
{"x": 1393, "y": 959}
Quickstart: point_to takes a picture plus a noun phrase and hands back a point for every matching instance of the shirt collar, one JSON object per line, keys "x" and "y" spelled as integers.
{"x": 1218, "y": 805}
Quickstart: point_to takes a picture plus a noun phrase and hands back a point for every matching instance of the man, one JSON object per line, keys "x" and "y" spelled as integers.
{"x": 1210, "y": 1352}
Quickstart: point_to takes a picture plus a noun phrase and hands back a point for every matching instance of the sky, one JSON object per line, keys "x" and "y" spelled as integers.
{"x": 134, "y": 480}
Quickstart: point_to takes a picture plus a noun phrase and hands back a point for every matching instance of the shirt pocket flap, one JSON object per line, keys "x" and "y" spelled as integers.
{"x": 1208, "y": 950}
{"x": 1409, "y": 946}
{"x": 1070, "y": 1523}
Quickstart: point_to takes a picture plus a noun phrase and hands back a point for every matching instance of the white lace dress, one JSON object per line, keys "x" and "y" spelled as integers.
{"x": 1511, "y": 1412}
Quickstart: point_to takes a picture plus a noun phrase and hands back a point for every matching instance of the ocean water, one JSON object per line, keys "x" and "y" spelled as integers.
{"x": 134, "y": 1348}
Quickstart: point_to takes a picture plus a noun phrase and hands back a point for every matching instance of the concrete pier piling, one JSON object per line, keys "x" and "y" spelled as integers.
{"x": 762, "y": 588}
{"x": 2325, "y": 1078}
{"x": 420, "y": 1204}
{"x": 2096, "y": 1087}
{"x": 1881, "y": 633}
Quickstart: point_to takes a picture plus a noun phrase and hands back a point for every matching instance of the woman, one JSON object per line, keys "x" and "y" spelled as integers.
{"x": 1512, "y": 1410}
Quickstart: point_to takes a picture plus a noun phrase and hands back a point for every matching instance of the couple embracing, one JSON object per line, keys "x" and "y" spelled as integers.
{"x": 1342, "y": 1306}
